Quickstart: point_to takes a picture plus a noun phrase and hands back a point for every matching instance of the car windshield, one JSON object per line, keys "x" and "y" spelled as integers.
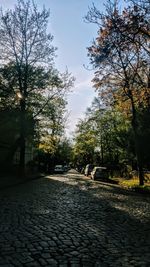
{"x": 58, "y": 167}
{"x": 100, "y": 169}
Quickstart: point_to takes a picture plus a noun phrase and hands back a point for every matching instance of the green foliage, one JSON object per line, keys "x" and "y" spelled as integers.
{"x": 105, "y": 137}
{"x": 28, "y": 80}
{"x": 120, "y": 55}
{"x": 58, "y": 152}
{"x": 63, "y": 153}
{"x": 83, "y": 150}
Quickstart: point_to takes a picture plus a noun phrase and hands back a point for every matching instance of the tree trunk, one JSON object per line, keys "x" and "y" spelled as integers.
{"x": 22, "y": 139}
{"x": 141, "y": 175}
{"x": 137, "y": 144}
{"x": 102, "y": 153}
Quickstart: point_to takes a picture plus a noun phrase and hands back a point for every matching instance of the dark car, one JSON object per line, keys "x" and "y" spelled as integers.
{"x": 88, "y": 169}
{"x": 66, "y": 168}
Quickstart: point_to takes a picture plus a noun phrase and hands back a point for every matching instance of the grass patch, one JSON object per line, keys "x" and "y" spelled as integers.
{"x": 133, "y": 183}
{"x": 129, "y": 182}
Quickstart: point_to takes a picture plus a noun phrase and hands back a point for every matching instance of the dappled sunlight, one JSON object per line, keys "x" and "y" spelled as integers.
{"x": 114, "y": 195}
{"x": 74, "y": 216}
{"x": 93, "y": 215}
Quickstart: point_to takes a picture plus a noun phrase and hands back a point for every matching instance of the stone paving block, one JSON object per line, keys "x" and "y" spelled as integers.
{"x": 45, "y": 255}
{"x": 52, "y": 262}
{"x": 42, "y": 262}
{"x": 32, "y": 264}
{"x": 52, "y": 243}
{"x": 75, "y": 265}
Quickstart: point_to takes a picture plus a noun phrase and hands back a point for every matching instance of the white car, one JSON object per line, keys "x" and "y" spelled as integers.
{"x": 88, "y": 169}
{"x": 99, "y": 173}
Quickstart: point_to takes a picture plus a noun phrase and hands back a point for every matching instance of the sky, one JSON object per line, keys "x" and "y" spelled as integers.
{"x": 72, "y": 36}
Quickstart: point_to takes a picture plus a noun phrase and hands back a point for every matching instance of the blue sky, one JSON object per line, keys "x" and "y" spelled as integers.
{"x": 71, "y": 36}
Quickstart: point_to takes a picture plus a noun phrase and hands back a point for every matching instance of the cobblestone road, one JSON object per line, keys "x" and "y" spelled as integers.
{"x": 71, "y": 221}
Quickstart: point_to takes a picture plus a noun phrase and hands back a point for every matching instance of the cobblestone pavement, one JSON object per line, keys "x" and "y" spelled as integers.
{"x": 71, "y": 221}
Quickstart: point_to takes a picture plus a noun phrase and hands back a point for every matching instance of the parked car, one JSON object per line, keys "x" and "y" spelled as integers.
{"x": 66, "y": 168}
{"x": 88, "y": 169}
{"x": 99, "y": 173}
{"x": 58, "y": 169}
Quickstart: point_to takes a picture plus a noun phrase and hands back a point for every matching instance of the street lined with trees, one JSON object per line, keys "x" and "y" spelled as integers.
{"x": 54, "y": 215}
{"x": 120, "y": 57}
{"x": 33, "y": 93}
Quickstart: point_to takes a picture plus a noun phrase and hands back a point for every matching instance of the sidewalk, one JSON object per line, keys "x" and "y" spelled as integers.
{"x": 12, "y": 180}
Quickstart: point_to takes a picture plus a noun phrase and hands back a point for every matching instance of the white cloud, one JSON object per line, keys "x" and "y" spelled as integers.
{"x": 80, "y": 98}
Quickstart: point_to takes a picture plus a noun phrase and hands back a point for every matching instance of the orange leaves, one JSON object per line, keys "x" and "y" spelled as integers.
{"x": 109, "y": 23}
{"x": 120, "y": 56}
{"x": 93, "y": 49}
{"x": 104, "y": 32}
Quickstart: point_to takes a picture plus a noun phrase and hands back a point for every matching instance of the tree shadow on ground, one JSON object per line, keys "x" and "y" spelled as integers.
{"x": 69, "y": 220}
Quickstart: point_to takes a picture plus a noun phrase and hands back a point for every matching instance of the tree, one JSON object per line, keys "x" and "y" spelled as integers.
{"x": 26, "y": 54}
{"x": 25, "y": 42}
{"x": 46, "y": 105}
{"x": 83, "y": 149}
{"x": 51, "y": 126}
{"x": 112, "y": 133}
{"x": 120, "y": 59}
{"x": 63, "y": 154}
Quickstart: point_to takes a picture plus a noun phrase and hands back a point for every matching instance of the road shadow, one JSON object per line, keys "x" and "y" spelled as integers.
{"x": 68, "y": 219}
